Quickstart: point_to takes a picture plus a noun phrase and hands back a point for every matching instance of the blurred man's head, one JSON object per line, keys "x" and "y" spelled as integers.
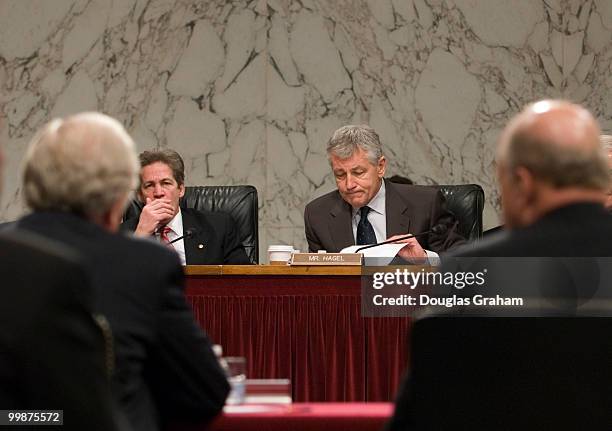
{"x": 84, "y": 164}
{"x": 162, "y": 176}
{"x": 358, "y": 163}
{"x": 606, "y": 142}
{"x": 547, "y": 157}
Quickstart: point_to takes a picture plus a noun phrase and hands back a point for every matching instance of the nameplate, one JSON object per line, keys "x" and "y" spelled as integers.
{"x": 331, "y": 259}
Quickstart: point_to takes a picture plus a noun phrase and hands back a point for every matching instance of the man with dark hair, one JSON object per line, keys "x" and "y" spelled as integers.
{"x": 367, "y": 209}
{"x": 78, "y": 175}
{"x": 162, "y": 185}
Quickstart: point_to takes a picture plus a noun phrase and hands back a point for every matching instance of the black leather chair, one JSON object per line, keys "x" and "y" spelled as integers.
{"x": 238, "y": 201}
{"x": 504, "y": 373}
{"x": 466, "y": 202}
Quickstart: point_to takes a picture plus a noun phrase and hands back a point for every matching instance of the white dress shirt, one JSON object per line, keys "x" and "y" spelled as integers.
{"x": 176, "y": 224}
{"x": 376, "y": 216}
{"x": 378, "y": 219}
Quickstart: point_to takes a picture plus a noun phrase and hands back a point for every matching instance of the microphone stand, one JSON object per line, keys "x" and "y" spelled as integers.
{"x": 188, "y": 234}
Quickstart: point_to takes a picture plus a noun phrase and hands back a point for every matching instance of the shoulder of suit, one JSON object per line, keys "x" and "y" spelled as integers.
{"x": 413, "y": 189}
{"x": 499, "y": 244}
{"x": 22, "y": 239}
{"x": 323, "y": 201}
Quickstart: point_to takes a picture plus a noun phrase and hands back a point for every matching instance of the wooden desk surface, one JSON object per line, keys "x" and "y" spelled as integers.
{"x": 285, "y": 270}
{"x": 271, "y": 270}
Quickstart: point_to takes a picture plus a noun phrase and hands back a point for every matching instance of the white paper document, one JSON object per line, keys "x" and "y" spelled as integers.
{"x": 385, "y": 253}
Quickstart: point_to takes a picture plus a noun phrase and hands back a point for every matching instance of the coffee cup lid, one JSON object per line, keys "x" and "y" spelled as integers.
{"x": 280, "y": 248}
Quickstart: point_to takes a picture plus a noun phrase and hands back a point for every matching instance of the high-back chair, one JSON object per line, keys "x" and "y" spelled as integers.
{"x": 240, "y": 202}
{"x": 466, "y": 202}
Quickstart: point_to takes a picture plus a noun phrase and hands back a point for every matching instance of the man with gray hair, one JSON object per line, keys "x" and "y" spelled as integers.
{"x": 47, "y": 327}
{"x": 78, "y": 176}
{"x": 365, "y": 209}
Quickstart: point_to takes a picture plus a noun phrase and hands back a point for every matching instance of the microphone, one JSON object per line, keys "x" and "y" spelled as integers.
{"x": 439, "y": 229}
{"x": 189, "y": 233}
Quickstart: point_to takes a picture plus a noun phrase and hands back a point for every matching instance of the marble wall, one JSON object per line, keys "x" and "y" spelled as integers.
{"x": 249, "y": 91}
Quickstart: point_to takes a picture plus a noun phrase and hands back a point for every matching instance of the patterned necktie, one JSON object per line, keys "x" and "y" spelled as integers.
{"x": 365, "y": 231}
{"x": 163, "y": 236}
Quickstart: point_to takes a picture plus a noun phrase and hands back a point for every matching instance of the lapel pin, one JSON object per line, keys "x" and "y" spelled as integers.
{"x": 200, "y": 245}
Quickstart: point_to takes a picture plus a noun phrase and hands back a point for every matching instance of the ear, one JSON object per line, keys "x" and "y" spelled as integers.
{"x": 181, "y": 190}
{"x": 526, "y": 184}
{"x": 111, "y": 219}
{"x": 382, "y": 165}
{"x": 528, "y": 195}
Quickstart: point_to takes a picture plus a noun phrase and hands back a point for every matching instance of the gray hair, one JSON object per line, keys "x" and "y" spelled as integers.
{"x": 83, "y": 164}
{"x": 348, "y": 139}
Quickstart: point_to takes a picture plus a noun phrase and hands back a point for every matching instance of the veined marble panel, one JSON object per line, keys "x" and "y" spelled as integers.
{"x": 250, "y": 91}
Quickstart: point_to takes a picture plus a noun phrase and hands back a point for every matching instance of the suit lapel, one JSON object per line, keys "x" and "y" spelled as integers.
{"x": 340, "y": 224}
{"x": 197, "y": 245}
{"x": 398, "y": 220}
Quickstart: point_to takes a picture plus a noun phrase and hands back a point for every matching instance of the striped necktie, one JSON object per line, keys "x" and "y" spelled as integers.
{"x": 163, "y": 236}
{"x": 365, "y": 231}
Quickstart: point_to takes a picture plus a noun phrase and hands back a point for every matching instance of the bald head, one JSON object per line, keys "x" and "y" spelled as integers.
{"x": 558, "y": 142}
{"x": 84, "y": 164}
{"x": 548, "y": 156}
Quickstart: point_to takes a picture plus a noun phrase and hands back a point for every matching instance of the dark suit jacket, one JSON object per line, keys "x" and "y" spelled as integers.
{"x": 518, "y": 397}
{"x": 409, "y": 209}
{"x": 166, "y": 370}
{"x": 507, "y": 373}
{"x": 575, "y": 230}
{"x": 52, "y": 353}
{"x": 215, "y": 232}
